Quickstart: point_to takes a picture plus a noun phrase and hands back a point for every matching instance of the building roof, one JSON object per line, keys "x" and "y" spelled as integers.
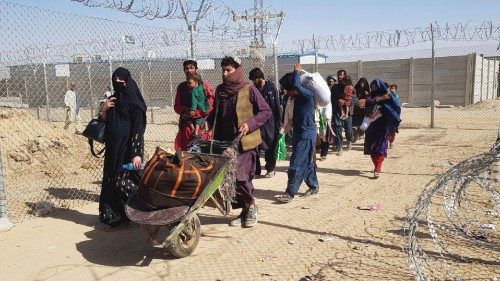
{"x": 300, "y": 54}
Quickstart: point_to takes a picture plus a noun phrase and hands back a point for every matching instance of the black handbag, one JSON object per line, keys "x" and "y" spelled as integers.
{"x": 95, "y": 132}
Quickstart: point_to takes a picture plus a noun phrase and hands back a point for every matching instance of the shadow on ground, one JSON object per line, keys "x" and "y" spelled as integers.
{"x": 126, "y": 245}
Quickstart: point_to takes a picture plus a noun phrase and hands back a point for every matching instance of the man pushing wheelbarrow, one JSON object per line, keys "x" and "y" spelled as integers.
{"x": 197, "y": 178}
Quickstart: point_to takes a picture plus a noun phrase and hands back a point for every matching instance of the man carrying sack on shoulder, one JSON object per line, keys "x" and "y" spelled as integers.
{"x": 239, "y": 108}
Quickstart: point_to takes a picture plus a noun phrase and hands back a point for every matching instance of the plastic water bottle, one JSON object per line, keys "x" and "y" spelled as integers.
{"x": 130, "y": 167}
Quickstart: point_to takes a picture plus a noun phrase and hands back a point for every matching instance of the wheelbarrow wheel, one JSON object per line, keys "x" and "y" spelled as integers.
{"x": 184, "y": 244}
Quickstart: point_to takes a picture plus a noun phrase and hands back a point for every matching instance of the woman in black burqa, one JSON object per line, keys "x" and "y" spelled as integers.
{"x": 125, "y": 117}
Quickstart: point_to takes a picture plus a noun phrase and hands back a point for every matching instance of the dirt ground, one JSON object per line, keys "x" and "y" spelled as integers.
{"x": 285, "y": 244}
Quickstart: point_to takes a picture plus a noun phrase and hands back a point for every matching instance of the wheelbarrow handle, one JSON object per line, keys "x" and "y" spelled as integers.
{"x": 237, "y": 140}
{"x": 238, "y": 137}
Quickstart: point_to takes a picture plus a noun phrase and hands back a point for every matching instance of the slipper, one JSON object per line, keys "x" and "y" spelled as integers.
{"x": 370, "y": 207}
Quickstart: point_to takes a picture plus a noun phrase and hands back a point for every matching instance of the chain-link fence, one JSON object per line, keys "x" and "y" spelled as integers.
{"x": 45, "y": 163}
{"x": 44, "y": 52}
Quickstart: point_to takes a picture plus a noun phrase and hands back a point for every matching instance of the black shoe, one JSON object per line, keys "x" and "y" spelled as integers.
{"x": 240, "y": 220}
{"x": 285, "y": 198}
{"x": 310, "y": 192}
{"x": 251, "y": 216}
{"x": 269, "y": 174}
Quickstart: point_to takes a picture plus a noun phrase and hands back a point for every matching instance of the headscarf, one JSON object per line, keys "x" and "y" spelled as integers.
{"x": 382, "y": 89}
{"x": 361, "y": 91}
{"x": 128, "y": 94}
{"x": 390, "y": 108}
{"x": 233, "y": 83}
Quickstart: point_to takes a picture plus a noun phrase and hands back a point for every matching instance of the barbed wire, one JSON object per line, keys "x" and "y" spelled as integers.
{"x": 466, "y": 209}
{"x": 206, "y": 16}
{"x": 150, "y": 9}
{"x": 59, "y": 37}
{"x": 486, "y": 31}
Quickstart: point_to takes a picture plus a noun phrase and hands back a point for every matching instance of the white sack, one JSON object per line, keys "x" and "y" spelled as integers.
{"x": 317, "y": 85}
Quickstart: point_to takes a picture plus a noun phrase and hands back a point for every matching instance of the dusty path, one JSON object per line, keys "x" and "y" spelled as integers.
{"x": 72, "y": 245}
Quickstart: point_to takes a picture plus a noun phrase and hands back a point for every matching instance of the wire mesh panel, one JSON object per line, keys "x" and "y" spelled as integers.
{"x": 48, "y": 55}
{"x": 55, "y": 69}
{"x": 441, "y": 72}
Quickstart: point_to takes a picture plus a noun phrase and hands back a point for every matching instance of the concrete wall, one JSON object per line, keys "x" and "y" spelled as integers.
{"x": 459, "y": 80}
{"x": 485, "y": 79}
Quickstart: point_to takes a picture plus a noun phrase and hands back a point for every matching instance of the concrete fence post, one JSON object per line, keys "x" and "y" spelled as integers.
{"x": 482, "y": 79}
{"x": 488, "y": 79}
{"x": 469, "y": 81}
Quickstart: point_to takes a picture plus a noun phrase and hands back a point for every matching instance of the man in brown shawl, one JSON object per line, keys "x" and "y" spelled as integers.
{"x": 240, "y": 109}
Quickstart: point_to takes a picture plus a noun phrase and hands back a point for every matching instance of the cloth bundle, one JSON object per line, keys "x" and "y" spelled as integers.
{"x": 368, "y": 120}
{"x": 317, "y": 85}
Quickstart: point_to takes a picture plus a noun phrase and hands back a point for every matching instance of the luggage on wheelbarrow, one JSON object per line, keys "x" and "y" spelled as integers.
{"x": 173, "y": 180}
{"x": 181, "y": 220}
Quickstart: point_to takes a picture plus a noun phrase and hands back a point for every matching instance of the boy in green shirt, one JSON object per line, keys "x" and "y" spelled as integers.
{"x": 198, "y": 101}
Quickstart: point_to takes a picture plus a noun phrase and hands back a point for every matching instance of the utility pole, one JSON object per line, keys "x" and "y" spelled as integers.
{"x": 259, "y": 15}
{"x": 258, "y": 21}
{"x": 258, "y": 41}
{"x": 191, "y": 24}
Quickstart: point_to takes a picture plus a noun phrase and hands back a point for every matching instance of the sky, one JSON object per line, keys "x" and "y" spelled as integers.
{"x": 324, "y": 17}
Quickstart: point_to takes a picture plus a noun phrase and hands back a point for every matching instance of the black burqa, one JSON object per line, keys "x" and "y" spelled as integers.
{"x": 124, "y": 139}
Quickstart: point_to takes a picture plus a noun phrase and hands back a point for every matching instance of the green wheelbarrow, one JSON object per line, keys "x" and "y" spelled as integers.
{"x": 177, "y": 230}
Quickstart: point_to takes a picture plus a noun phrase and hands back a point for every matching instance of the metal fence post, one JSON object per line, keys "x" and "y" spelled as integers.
{"x": 3, "y": 200}
{"x": 315, "y": 55}
{"x": 171, "y": 88}
{"x": 7, "y": 86}
{"x": 26, "y": 90}
{"x": 191, "y": 41}
{"x": 433, "y": 72}
{"x": 110, "y": 71}
{"x": 410, "y": 80}
{"x": 275, "y": 66}
{"x": 47, "y": 106}
{"x": 5, "y": 223}
{"x": 275, "y": 51}
{"x": 90, "y": 90}
{"x": 488, "y": 79}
